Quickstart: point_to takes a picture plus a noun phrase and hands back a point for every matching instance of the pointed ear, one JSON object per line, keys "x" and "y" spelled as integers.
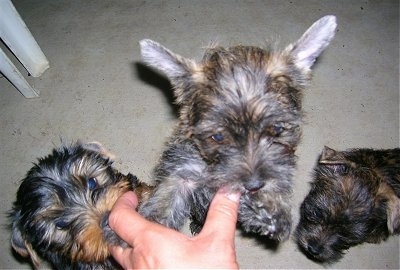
{"x": 331, "y": 156}
{"x": 334, "y": 160}
{"x": 157, "y": 56}
{"x": 178, "y": 69}
{"x": 306, "y": 50}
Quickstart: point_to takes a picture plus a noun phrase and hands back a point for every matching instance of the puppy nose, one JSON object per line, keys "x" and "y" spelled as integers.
{"x": 314, "y": 248}
{"x": 254, "y": 185}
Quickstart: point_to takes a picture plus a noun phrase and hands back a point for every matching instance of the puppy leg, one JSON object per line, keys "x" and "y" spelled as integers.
{"x": 393, "y": 214}
{"x": 168, "y": 205}
{"x": 179, "y": 173}
{"x": 387, "y": 194}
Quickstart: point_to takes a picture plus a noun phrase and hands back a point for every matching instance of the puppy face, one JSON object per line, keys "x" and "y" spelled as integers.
{"x": 242, "y": 122}
{"x": 348, "y": 204}
{"x": 62, "y": 206}
{"x": 336, "y": 215}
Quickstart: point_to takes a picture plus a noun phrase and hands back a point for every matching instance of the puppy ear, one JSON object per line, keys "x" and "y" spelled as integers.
{"x": 157, "y": 56}
{"x": 17, "y": 242}
{"x": 334, "y": 160}
{"x": 311, "y": 44}
{"x": 23, "y": 247}
{"x": 99, "y": 148}
{"x": 330, "y": 155}
{"x": 177, "y": 68}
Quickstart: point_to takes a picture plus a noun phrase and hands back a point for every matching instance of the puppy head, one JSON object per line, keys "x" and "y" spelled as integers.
{"x": 342, "y": 209}
{"x": 241, "y": 106}
{"x": 62, "y": 205}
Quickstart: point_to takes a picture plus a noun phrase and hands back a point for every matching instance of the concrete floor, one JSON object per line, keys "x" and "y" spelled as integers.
{"x": 96, "y": 89}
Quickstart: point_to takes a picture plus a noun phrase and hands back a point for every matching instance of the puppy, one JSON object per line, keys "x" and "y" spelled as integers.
{"x": 62, "y": 207}
{"x": 239, "y": 125}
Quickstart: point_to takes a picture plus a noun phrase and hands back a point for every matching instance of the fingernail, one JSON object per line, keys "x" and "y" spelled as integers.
{"x": 235, "y": 197}
{"x": 231, "y": 195}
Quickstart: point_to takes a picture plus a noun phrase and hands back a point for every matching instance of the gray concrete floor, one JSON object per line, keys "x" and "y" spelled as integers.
{"x": 95, "y": 90}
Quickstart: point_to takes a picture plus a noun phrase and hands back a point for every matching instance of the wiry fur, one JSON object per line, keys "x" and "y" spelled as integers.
{"x": 62, "y": 207}
{"x": 239, "y": 126}
{"x": 354, "y": 198}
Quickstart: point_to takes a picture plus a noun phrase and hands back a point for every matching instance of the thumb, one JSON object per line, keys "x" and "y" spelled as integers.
{"x": 124, "y": 220}
{"x": 222, "y": 215}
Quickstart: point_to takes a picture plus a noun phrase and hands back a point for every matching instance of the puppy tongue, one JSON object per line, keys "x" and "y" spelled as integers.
{"x": 252, "y": 191}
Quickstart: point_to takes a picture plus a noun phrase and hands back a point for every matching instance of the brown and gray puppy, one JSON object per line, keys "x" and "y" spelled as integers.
{"x": 62, "y": 208}
{"x": 354, "y": 198}
{"x": 239, "y": 125}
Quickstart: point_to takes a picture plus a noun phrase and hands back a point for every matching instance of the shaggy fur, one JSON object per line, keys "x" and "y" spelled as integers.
{"x": 62, "y": 207}
{"x": 239, "y": 125}
{"x": 354, "y": 198}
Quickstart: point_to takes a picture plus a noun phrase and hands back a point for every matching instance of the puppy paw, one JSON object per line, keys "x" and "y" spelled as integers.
{"x": 257, "y": 218}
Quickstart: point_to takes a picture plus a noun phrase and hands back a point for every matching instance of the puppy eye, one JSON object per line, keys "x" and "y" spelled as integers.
{"x": 92, "y": 183}
{"x": 218, "y": 137}
{"x": 276, "y": 130}
{"x": 61, "y": 224}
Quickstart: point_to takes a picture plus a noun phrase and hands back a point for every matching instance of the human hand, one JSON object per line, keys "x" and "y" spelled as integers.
{"x": 155, "y": 246}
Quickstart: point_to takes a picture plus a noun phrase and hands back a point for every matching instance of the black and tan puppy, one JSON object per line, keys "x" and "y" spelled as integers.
{"x": 354, "y": 198}
{"x": 62, "y": 207}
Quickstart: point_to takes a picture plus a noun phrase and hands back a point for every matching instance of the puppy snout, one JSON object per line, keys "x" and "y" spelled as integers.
{"x": 254, "y": 185}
